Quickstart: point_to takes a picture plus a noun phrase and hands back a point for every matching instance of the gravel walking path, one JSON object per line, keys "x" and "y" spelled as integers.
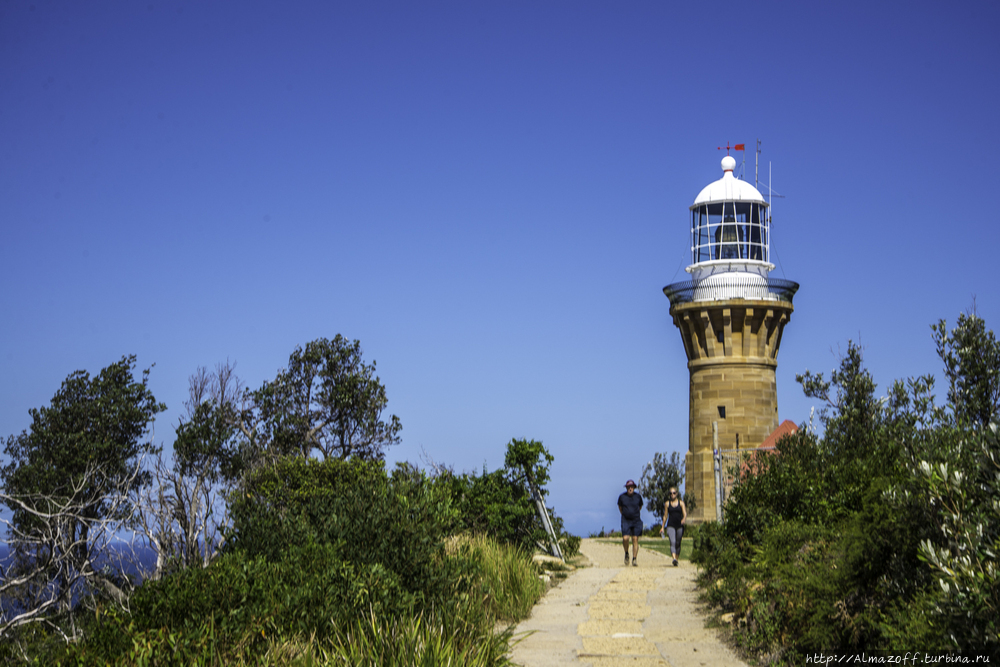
{"x": 612, "y": 614}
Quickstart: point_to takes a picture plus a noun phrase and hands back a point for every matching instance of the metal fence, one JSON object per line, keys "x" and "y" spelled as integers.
{"x": 731, "y": 466}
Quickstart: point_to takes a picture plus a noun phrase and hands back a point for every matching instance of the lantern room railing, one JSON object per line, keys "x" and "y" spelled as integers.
{"x": 753, "y": 288}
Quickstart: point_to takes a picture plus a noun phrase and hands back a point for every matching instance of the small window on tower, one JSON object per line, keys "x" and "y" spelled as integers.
{"x": 722, "y": 412}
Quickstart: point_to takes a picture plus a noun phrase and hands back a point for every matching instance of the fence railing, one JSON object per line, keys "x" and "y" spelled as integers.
{"x": 753, "y": 287}
{"x": 731, "y": 466}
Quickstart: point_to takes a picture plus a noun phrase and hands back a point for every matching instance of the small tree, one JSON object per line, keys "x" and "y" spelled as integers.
{"x": 327, "y": 400}
{"x": 499, "y": 504}
{"x": 182, "y": 515}
{"x": 658, "y": 477}
{"x": 67, "y": 478}
{"x": 855, "y": 448}
{"x": 529, "y": 457}
{"x": 52, "y": 570}
{"x": 971, "y": 357}
{"x": 962, "y": 479}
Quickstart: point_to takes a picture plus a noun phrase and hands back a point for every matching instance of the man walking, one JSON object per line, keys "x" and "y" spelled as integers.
{"x": 630, "y": 505}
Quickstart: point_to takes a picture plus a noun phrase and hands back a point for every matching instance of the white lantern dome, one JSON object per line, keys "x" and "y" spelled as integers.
{"x": 728, "y": 188}
{"x": 730, "y": 239}
{"x": 730, "y": 245}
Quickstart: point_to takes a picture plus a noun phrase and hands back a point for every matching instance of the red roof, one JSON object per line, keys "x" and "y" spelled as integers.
{"x": 786, "y": 427}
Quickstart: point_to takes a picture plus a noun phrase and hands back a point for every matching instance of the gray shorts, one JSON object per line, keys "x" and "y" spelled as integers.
{"x": 631, "y": 526}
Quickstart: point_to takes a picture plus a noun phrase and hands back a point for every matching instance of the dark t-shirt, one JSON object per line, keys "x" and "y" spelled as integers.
{"x": 631, "y": 506}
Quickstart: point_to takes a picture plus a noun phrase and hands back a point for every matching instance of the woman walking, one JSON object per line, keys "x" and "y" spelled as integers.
{"x": 674, "y": 517}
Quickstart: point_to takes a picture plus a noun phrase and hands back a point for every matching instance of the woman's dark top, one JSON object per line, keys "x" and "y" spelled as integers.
{"x": 674, "y": 515}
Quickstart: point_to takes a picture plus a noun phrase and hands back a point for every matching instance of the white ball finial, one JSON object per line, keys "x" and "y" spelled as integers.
{"x": 728, "y": 163}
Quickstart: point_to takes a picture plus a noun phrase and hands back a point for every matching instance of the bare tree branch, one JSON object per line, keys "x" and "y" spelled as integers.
{"x": 55, "y": 561}
{"x": 181, "y": 518}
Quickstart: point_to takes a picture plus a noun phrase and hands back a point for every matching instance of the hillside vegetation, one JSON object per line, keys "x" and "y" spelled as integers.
{"x": 279, "y": 535}
{"x": 882, "y": 531}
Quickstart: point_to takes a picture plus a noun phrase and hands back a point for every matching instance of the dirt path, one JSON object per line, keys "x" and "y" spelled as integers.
{"x": 610, "y": 614}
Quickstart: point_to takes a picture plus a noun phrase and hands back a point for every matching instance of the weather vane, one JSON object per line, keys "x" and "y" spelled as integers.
{"x": 737, "y": 147}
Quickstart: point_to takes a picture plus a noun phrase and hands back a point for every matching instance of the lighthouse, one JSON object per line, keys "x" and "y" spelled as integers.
{"x": 731, "y": 315}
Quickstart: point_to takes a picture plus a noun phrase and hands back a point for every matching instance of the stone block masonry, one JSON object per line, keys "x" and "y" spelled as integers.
{"x": 732, "y": 351}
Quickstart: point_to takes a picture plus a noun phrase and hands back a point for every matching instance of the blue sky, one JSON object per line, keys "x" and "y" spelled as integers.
{"x": 489, "y": 195}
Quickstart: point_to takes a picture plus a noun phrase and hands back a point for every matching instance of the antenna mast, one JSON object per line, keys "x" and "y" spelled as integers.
{"x": 756, "y": 166}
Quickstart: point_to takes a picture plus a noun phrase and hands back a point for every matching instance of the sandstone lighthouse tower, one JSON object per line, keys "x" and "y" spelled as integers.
{"x": 731, "y": 315}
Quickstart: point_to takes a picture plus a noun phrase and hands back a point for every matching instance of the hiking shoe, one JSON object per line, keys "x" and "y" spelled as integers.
{"x": 626, "y": 558}
{"x": 675, "y": 562}
{"x": 634, "y": 564}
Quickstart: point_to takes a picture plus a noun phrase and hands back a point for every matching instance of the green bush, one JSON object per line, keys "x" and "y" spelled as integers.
{"x": 506, "y": 581}
{"x": 359, "y": 512}
{"x": 719, "y": 562}
{"x": 240, "y": 609}
{"x": 569, "y": 544}
{"x": 338, "y": 552}
{"x": 418, "y": 641}
{"x": 341, "y": 563}
{"x": 240, "y": 602}
{"x": 314, "y": 545}
{"x": 879, "y": 534}
{"x": 492, "y": 503}
{"x": 498, "y": 503}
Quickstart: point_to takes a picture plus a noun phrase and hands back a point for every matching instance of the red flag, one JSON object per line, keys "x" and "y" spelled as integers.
{"x": 739, "y": 147}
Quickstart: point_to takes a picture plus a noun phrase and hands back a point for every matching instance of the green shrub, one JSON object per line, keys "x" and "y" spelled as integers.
{"x": 570, "y": 544}
{"x": 499, "y": 504}
{"x": 813, "y": 554}
{"x": 506, "y": 579}
{"x": 237, "y": 604}
{"x": 235, "y": 611}
{"x": 882, "y": 533}
{"x": 720, "y": 564}
{"x": 788, "y": 485}
{"x": 338, "y": 552}
{"x": 418, "y": 641}
{"x": 492, "y": 503}
{"x": 355, "y": 509}
{"x": 314, "y": 546}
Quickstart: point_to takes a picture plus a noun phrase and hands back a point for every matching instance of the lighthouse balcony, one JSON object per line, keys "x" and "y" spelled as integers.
{"x": 751, "y": 287}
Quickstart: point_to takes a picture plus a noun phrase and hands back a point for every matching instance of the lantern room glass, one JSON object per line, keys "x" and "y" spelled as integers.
{"x": 730, "y": 230}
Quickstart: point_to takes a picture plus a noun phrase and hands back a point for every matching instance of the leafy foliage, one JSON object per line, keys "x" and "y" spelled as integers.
{"x": 326, "y": 400}
{"x": 337, "y": 551}
{"x": 531, "y": 457}
{"x": 966, "y": 564}
{"x": 67, "y": 485}
{"x": 499, "y": 504}
{"x": 91, "y": 423}
{"x": 658, "y": 477}
{"x": 882, "y": 532}
{"x": 491, "y": 503}
{"x": 971, "y": 357}
{"x": 961, "y": 477}
{"x": 357, "y": 510}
